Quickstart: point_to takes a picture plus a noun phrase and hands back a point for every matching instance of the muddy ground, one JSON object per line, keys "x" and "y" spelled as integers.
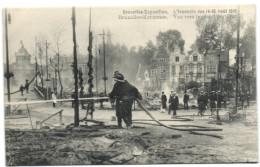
{"x": 145, "y": 143}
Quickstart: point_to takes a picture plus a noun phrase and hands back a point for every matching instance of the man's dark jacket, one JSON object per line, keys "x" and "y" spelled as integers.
{"x": 186, "y": 98}
{"x": 164, "y": 100}
{"x": 174, "y": 102}
{"x": 125, "y": 92}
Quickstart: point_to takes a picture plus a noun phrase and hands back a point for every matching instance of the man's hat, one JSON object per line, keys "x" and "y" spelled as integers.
{"x": 119, "y": 77}
{"x": 116, "y": 72}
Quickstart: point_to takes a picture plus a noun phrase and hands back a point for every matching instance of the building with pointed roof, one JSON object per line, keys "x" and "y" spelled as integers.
{"x": 175, "y": 70}
{"x": 152, "y": 77}
{"x": 22, "y": 68}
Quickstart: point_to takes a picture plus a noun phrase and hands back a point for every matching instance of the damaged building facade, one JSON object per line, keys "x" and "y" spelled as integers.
{"x": 178, "y": 71}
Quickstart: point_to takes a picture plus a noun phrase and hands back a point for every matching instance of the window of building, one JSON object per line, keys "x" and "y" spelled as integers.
{"x": 182, "y": 69}
{"x": 214, "y": 68}
{"x": 177, "y": 59}
{"x": 211, "y": 68}
{"x": 164, "y": 69}
{"x": 162, "y": 60}
{"x": 155, "y": 71}
{"x": 173, "y": 70}
{"x": 199, "y": 68}
{"x": 199, "y": 75}
{"x": 191, "y": 68}
{"x": 195, "y": 58}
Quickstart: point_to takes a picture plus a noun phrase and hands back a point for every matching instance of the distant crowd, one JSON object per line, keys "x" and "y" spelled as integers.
{"x": 213, "y": 100}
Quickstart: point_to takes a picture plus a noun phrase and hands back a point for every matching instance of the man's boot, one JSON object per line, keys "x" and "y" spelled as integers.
{"x": 119, "y": 122}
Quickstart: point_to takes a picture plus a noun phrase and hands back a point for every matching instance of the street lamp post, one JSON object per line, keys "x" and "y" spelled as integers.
{"x": 96, "y": 50}
{"x": 204, "y": 65}
{"x": 47, "y": 70}
{"x": 218, "y": 118}
{"x": 220, "y": 48}
{"x": 75, "y": 70}
{"x": 96, "y": 60}
{"x": 8, "y": 75}
{"x": 237, "y": 60}
{"x": 104, "y": 78}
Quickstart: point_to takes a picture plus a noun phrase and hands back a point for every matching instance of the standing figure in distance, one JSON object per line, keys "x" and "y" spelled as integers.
{"x": 163, "y": 101}
{"x": 21, "y": 89}
{"x": 101, "y": 100}
{"x": 213, "y": 99}
{"x": 185, "y": 101}
{"x": 202, "y": 103}
{"x": 248, "y": 97}
{"x": 26, "y": 86}
{"x": 54, "y": 98}
{"x": 173, "y": 103}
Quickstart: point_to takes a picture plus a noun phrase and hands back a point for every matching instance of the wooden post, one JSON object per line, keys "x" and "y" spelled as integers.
{"x": 60, "y": 114}
{"x": 29, "y": 115}
{"x": 237, "y": 60}
{"x": 90, "y": 80}
{"x": 47, "y": 71}
{"x": 104, "y": 50}
{"x": 75, "y": 70}
{"x": 7, "y": 75}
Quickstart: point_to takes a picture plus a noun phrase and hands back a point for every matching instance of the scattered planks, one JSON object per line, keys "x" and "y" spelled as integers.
{"x": 199, "y": 128}
{"x": 91, "y": 120}
{"x": 203, "y": 134}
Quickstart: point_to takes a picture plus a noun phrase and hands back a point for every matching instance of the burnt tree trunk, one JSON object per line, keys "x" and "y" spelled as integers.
{"x": 75, "y": 70}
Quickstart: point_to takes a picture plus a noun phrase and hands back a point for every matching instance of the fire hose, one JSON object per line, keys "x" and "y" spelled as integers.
{"x": 169, "y": 127}
{"x": 150, "y": 115}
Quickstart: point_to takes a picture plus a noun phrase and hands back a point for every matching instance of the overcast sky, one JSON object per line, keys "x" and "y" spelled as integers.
{"x": 26, "y": 24}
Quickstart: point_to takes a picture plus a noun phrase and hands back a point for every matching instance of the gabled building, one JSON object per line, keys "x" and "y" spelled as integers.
{"x": 216, "y": 63}
{"x": 247, "y": 68}
{"x": 194, "y": 68}
{"x": 159, "y": 69}
{"x": 156, "y": 74}
{"x": 177, "y": 67}
{"x": 143, "y": 78}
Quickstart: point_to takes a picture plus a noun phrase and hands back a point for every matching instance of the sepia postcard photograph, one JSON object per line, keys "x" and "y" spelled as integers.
{"x": 129, "y": 85}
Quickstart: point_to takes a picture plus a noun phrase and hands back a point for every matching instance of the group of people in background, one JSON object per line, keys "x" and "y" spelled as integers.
{"x": 173, "y": 103}
{"x": 26, "y": 87}
{"x": 214, "y": 99}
